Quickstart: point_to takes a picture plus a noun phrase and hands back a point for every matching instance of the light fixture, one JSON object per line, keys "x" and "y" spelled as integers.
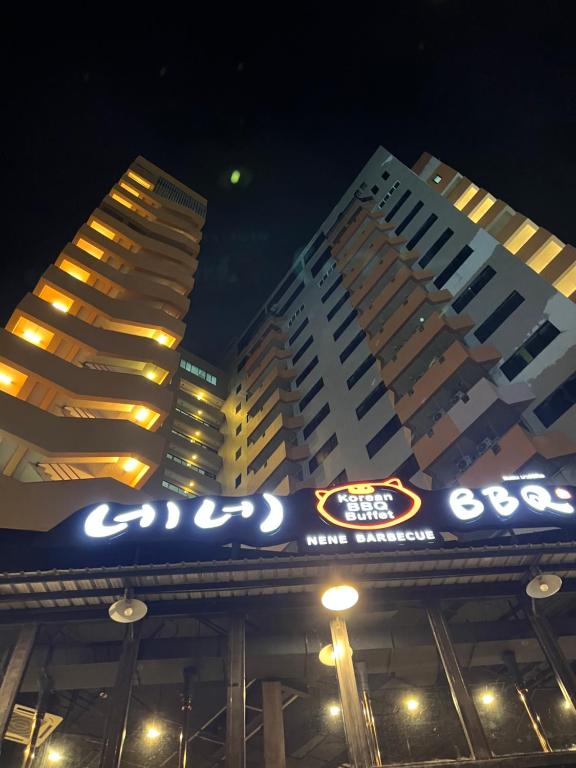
{"x": 333, "y": 710}
{"x": 197, "y": 433}
{"x": 340, "y": 598}
{"x": 200, "y": 396}
{"x": 127, "y": 610}
{"x": 543, "y": 585}
{"x": 162, "y": 339}
{"x": 412, "y": 704}
{"x": 130, "y": 465}
{"x": 194, "y": 456}
{"x": 192, "y": 483}
{"x": 54, "y": 756}
{"x": 152, "y": 732}
{"x": 199, "y": 413}
{"x": 151, "y": 375}
{"x": 6, "y": 380}
{"x": 60, "y": 306}
{"x": 142, "y": 414}
{"x": 487, "y": 698}
{"x": 32, "y": 336}
{"x": 328, "y": 655}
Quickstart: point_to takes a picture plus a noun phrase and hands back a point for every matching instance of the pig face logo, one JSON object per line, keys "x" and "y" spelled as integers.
{"x": 368, "y": 506}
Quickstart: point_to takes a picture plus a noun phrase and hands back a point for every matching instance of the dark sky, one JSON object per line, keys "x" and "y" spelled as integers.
{"x": 297, "y": 106}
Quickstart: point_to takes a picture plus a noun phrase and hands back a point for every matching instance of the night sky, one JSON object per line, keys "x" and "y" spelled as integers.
{"x": 297, "y": 106}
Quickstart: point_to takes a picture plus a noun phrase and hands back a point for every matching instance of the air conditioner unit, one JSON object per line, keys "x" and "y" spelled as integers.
{"x": 484, "y": 446}
{"x": 463, "y": 463}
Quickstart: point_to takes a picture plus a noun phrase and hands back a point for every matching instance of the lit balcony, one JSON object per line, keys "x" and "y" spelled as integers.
{"x": 200, "y": 410}
{"x": 190, "y": 445}
{"x": 469, "y": 429}
{"x": 455, "y": 372}
{"x": 189, "y": 477}
{"x": 422, "y": 349}
{"x": 190, "y": 422}
{"x": 283, "y": 462}
{"x": 520, "y": 451}
{"x": 405, "y": 321}
{"x": 390, "y": 298}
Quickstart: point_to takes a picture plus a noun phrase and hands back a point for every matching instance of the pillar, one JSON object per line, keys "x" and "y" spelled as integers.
{"x": 463, "y": 702}
{"x": 368, "y": 713}
{"x": 560, "y": 666}
{"x": 14, "y": 673}
{"x": 509, "y": 659}
{"x": 273, "y": 717}
{"x": 236, "y": 694}
{"x": 115, "y": 729}
{"x": 190, "y": 679}
{"x": 41, "y": 706}
{"x": 354, "y": 724}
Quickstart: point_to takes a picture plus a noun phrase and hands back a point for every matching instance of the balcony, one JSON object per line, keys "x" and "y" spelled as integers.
{"x": 199, "y": 410}
{"x": 283, "y": 462}
{"x": 456, "y": 371}
{"x": 188, "y": 422}
{"x": 368, "y": 240}
{"x": 188, "y": 477}
{"x": 279, "y": 377}
{"x": 268, "y": 360}
{"x": 271, "y": 335}
{"x": 422, "y": 349}
{"x": 187, "y": 445}
{"x": 278, "y": 428}
{"x": 281, "y": 400}
{"x": 520, "y": 451}
{"x": 388, "y": 300}
{"x": 470, "y": 428}
{"x": 405, "y": 321}
{"x": 349, "y": 228}
{"x": 365, "y": 283}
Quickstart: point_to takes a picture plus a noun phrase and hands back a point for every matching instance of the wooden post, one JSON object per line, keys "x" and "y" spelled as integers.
{"x": 274, "y": 748}
{"x": 12, "y": 679}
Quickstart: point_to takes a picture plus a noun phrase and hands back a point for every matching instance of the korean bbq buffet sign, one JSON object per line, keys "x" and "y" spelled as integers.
{"x": 371, "y": 514}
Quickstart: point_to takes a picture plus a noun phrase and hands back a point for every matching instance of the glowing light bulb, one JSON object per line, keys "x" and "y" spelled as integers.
{"x": 412, "y": 704}
{"x": 340, "y": 598}
{"x": 197, "y": 433}
{"x": 194, "y": 456}
{"x": 191, "y": 483}
{"x": 6, "y": 380}
{"x": 333, "y": 710}
{"x": 488, "y": 698}
{"x": 60, "y": 306}
{"x": 235, "y": 177}
{"x": 54, "y": 756}
{"x": 32, "y": 336}
{"x": 128, "y": 611}
{"x": 142, "y": 414}
{"x": 199, "y": 413}
{"x": 152, "y": 732}
{"x": 151, "y": 375}
{"x": 130, "y": 465}
{"x": 162, "y": 339}
{"x": 200, "y": 396}
{"x": 543, "y": 587}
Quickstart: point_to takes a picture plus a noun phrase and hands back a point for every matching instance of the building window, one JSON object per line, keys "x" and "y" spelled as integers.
{"x": 316, "y": 421}
{"x": 385, "y": 175}
{"x": 238, "y": 481}
{"x": 238, "y": 388}
{"x": 339, "y": 304}
{"x": 407, "y": 468}
{"x": 311, "y": 394}
{"x": 437, "y": 179}
{"x": 435, "y": 247}
{"x": 360, "y": 371}
{"x": 199, "y": 372}
{"x": 432, "y": 219}
{"x": 374, "y": 189}
{"x": 370, "y": 401}
{"x": 383, "y": 436}
{"x": 298, "y": 331}
{"x": 331, "y": 290}
{"x": 530, "y": 350}
{"x": 282, "y": 311}
{"x": 309, "y": 341}
{"x": 399, "y": 203}
{"x": 295, "y": 315}
{"x": 407, "y": 219}
{"x": 309, "y": 368}
{"x": 556, "y": 404}
{"x": 327, "y": 274}
{"x": 473, "y": 289}
{"x": 323, "y": 453}
{"x": 499, "y": 316}
{"x": 319, "y": 263}
{"x": 463, "y": 254}
{"x": 238, "y": 407}
{"x": 177, "y": 489}
{"x": 238, "y": 453}
{"x": 242, "y": 363}
{"x": 345, "y": 324}
{"x": 239, "y": 429}
{"x": 347, "y": 351}
{"x": 340, "y": 479}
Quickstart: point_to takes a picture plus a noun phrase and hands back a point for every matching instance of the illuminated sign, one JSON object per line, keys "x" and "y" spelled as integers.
{"x": 468, "y": 506}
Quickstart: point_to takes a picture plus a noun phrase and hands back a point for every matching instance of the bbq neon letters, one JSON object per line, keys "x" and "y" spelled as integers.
{"x": 465, "y": 505}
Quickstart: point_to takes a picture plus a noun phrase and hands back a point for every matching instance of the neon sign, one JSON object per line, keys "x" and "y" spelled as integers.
{"x": 467, "y": 507}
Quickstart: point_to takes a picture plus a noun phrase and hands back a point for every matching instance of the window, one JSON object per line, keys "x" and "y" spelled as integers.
{"x": 323, "y": 453}
{"x": 370, "y": 401}
{"x": 327, "y": 274}
{"x": 399, "y": 203}
{"x": 435, "y": 247}
{"x": 342, "y": 327}
{"x": 295, "y": 315}
{"x": 347, "y": 351}
{"x": 239, "y": 429}
{"x": 238, "y": 453}
{"x": 238, "y": 388}
{"x": 314, "y": 246}
{"x": 331, "y": 290}
{"x": 540, "y": 339}
{"x": 319, "y": 263}
{"x": 473, "y": 289}
{"x": 238, "y": 481}
{"x": 316, "y": 421}
{"x": 283, "y": 287}
{"x": 341, "y": 477}
{"x": 176, "y": 489}
{"x": 302, "y": 349}
{"x": 297, "y": 292}
{"x": 432, "y": 219}
{"x": 339, "y": 304}
{"x": 360, "y": 371}
{"x": 556, "y": 404}
{"x": 374, "y": 189}
{"x": 311, "y": 394}
{"x": 381, "y": 438}
{"x": 199, "y": 372}
{"x": 385, "y": 175}
{"x": 463, "y": 254}
{"x": 298, "y": 331}
{"x": 407, "y": 468}
{"x": 310, "y": 367}
{"x": 499, "y": 316}
{"x": 242, "y": 363}
{"x": 437, "y": 179}
{"x": 403, "y": 224}
{"x": 238, "y": 407}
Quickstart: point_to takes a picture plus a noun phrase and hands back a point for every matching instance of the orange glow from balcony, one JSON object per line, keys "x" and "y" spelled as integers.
{"x": 544, "y": 255}
{"x": 59, "y": 300}
{"x": 145, "y": 417}
{"x": 93, "y": 250}
{"x": 32, "y": 333}
{"x": 520, "y": 237}
{"x": 122, "y": 200}
{"x": 74, "y": 270}
{"x": 466, "y": 196}
{"x": 140, "y": 180}
{"x": 95, "y": 224}
{"x": 11, "y": 380}
{"x": 165, "y": 340}
{"x": 130, "y": 189}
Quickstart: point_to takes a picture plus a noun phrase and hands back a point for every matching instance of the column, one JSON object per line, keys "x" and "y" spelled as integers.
{"x": 14, "y": 673}
{"x": 354, "y": 724}
{"x": 236, "y": 697}
{"x": 560, "y": 666}
{"x": 368, "y": 713}
{"x": 115, "y": 729}
{"x": 273, "y": 716}
{"x": 463, "y": 702}
{"x": 190, "y": 679}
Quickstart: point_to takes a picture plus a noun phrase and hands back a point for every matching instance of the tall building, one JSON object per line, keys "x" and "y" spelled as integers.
{"x": 88, "y": 356}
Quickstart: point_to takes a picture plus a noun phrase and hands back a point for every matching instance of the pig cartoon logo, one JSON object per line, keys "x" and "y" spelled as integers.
{"x": 368, "y": 506}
